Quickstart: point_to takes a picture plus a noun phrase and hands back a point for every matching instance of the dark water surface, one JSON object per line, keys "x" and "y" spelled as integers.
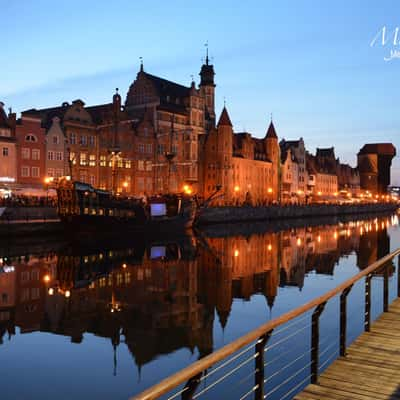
{"x": 107, "y": 320}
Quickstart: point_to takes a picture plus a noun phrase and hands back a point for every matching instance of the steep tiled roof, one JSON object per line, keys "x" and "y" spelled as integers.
{"x": 224, "y": 118}
{"x": 271, "y": 133}
{"x": 165, "y": 87}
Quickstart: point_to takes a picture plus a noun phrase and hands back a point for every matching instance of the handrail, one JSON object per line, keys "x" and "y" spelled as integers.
{"x": 169, "y": 383}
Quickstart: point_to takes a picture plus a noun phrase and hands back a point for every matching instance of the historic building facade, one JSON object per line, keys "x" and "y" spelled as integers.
{"x": 8, "y": 152}
{"x": 31, "y": 151}
{"x": 374, "y": 162}
{"x": 237, "y": 168}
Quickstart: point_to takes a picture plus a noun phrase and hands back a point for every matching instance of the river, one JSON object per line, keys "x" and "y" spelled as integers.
{"x": 107, "y": 319}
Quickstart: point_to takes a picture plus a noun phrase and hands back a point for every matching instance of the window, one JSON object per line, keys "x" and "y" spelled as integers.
{"x": 59, "y": 156}
{"x": 141, "y": 148}
{"x": 72, "y": 138}
{"x": 84, "y": 140}
{"x": 35, "y": 293}
{"x": 83, "y": 176}
{"x": 24, "y": 172}
{"x": 92, "y": 160}
{"x": 72, "y": 158}
{"x": 103, "y": 161}
{"x": 59, "y": 173}
{"x": 5, "y": 151}
{"x": 92, "y": 141}
{"x": 149, "y": 165}
{"x": 92, "y": 180}
{"x": 149, "y": 148}
{"x": 30, "y": 138}
{"x": 35, "y": 154}
{"x": 50, "y": 172}
{"x": 127, "y": 163}
{"x": 25, "y": 153}
{"x": 56, "y": 140}
{"x": 140, "y": 165}
{"x": 149, "y": 184}
{"x": 174, "y": 149}
{"x": 83, "y": 159}
{"x": 160, "y": 149}
{"x": 50, "y": 155}
{"x": 35, "y": 172}
{"x": 120, "y": 163}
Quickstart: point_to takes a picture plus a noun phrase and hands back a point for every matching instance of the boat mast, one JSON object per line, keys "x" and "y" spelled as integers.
{"x": 115, "y": 149}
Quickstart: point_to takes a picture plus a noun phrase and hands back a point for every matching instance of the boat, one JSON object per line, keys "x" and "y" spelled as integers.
{"x": 83, "y": 208}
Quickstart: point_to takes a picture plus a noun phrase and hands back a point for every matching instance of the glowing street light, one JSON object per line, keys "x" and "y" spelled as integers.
{"x": 236, "y": 188}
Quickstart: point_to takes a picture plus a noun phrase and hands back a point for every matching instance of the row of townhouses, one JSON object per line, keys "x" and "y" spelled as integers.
{"x": 165, "y": 137}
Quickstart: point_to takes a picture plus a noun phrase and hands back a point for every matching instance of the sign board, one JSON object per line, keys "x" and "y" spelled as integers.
{"x": 158, "y": 209}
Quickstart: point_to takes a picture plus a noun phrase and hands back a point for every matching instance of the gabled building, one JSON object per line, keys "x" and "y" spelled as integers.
{"x": 244, "y": 170}
{"x": 8, "y": 152}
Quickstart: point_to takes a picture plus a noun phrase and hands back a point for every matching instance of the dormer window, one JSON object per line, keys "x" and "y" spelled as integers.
{"x": 56, "y": 140}
{"x": 31, "y": 138}
{"x": 168, "y": 98}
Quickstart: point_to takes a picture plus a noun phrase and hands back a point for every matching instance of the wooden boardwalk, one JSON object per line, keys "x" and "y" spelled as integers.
{"x": 371, "y": 368}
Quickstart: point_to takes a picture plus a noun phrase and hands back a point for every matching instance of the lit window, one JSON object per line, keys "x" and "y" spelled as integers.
{"x": 149, "y": 165}
{"x": 92, "y": 160}
{"x": 140, "y": 165}
{"x": 103, "y": 161}
{"x": 83, "y": 159}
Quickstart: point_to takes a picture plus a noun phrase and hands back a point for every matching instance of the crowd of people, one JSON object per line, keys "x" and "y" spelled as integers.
{"x": 28, "y": 201}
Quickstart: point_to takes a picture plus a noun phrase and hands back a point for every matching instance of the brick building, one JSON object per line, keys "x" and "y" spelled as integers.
{"x": 374, "y": 162}
{"x": 8, "y": 151}
{"x": 31, "y": 151}
{"x": 242, "y": 168}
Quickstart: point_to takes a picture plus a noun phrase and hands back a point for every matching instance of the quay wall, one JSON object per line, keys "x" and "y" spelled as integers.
{"x": 216, "y": 215}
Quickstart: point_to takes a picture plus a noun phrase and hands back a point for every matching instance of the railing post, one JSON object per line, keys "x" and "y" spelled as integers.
{"x": 259, "y": 366}
{"x": 343, "y": 320}
{"x": 191, "y": 387}
{"x": 398, "y": 276}
{"x": 367, "y": 314}
{"x": 386, "y": 287}
{"x": 315, "y": 342}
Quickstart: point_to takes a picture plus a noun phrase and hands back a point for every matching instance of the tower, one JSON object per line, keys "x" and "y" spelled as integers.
{"x": 207, "y": 90}
{"x": 272, "y": 151}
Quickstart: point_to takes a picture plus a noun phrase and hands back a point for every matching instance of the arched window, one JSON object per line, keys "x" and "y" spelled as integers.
{"x": 31, "y": 138}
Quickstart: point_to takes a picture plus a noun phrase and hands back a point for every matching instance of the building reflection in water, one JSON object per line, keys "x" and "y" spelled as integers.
{"x": 162, "y": 297}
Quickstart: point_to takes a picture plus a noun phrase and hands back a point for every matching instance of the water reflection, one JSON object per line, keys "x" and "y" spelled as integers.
{"x": 157, "y": 298}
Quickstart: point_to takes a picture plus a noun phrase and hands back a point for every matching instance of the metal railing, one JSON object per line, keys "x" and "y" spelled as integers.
{"x": 247, "y": 354}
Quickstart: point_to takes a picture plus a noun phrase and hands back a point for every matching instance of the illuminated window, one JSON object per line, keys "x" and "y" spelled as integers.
{"x": 127, "y": 164}
{"x": 83, "y": 159}
{"x": 92, "y": 160}
{"x": 72, "y": 158}
{"x": 149, "y": 165}
{"x": 103, "y": 161}
{"x": 140, "y": 165}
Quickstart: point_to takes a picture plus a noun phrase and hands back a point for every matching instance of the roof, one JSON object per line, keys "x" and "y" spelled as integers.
{"x": 166, "y": 87}
{"x": 271, "y": 133}
{"x": 327, "y": 152}
{"x": 224, "y": 118}
{"x": 378, "y": 148}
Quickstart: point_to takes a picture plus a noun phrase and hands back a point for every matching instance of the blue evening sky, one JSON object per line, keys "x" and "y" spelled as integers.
{"x": 309, "y": 63}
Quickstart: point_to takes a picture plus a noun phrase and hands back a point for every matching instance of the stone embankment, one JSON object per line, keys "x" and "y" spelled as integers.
{"x": 216, "y": 215}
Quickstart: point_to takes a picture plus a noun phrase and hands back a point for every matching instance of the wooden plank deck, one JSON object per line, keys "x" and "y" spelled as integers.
{"x": 371, "y": 368}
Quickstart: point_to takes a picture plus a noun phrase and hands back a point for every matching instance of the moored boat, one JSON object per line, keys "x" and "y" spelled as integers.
{"x": 83, "y": 208}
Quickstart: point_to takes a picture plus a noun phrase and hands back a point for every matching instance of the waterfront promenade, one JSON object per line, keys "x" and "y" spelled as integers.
{"x": 371, "y": 368}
